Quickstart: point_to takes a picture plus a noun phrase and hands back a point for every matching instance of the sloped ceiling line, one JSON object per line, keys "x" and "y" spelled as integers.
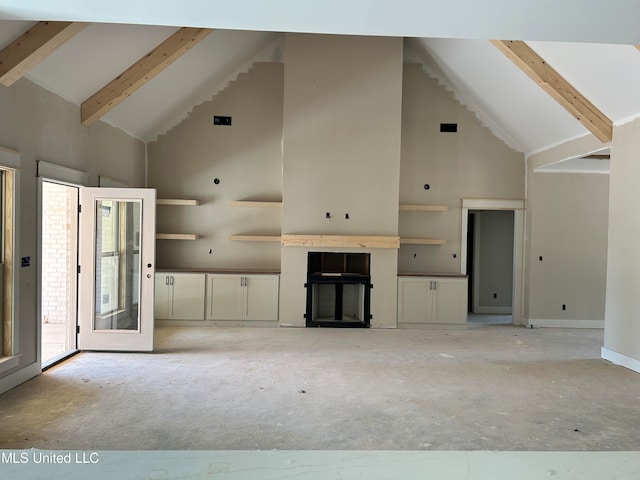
{"x": 32, "y": 47}
{"x": 272, "y": 52}
{"x": 140, "y": 73}
{"x": 230, "y": 84}
{"x": 415, "y": 53}
{"x": 525, "y": 58}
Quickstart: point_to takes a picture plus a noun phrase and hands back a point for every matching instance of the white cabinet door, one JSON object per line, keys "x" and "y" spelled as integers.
{"x": 414, "y": 300}
{"x": 179, "y": 296}
{"x": 242, "y": 297}
{"x": 450, "y": 301}
{"x": 187, "y": 296}
{"x": 261, "y": 297}
{"x": 432, "y": 300}
{"x": 161, "y": 301}
{"x": 225, "y": 294}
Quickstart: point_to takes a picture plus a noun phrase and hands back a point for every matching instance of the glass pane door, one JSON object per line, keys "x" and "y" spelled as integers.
{"x": 117, "y": 255}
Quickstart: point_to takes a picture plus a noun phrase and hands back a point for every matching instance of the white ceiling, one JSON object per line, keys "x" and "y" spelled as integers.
{"x": 449, "y": 40}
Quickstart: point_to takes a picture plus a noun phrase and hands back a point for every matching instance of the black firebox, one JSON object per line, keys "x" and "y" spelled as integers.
{"x": 338, "y": 290}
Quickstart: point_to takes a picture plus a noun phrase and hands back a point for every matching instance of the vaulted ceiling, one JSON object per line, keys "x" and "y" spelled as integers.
{"x": 588, "y": 44}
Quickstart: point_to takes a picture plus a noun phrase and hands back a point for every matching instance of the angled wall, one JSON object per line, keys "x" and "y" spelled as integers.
{"x": 42, "y": 126}
{"x": 246, "y": 157}
{"x": 470, "y": 163}
{"x": 568, "y": 229}
{"x": 622, "y": 316}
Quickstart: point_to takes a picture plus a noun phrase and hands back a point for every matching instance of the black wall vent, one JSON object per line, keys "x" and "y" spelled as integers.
{"x": 448, "y": 127}
{"x": 219, "y": 120}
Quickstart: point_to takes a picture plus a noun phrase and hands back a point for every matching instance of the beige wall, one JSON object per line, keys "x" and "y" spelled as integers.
{"x": 42, "y": 126}
{"x": 568, "y": 229}
{"x": 246, "y": 157}
{"x": 341, "y": 154}
{"x": 342, "y": 114}
{"x": 471, "y": 163}
{"x": 622, "y": 318}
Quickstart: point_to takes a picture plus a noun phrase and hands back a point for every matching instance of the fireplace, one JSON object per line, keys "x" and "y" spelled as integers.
{"x": 338, "y": 290}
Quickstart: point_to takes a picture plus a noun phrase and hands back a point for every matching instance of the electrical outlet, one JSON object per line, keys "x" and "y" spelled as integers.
{"x": 564, "y": 306}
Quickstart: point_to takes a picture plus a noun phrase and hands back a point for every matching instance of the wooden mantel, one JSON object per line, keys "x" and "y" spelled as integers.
{"x": 340, "y": 241}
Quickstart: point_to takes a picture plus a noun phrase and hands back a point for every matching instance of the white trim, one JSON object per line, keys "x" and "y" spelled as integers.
{"x": 21, "y": 376}
{"x": 565, "y": 323}
{"x": 492, "y": 204}
{"x": 51, "y": 171}
{"x": 7, "y": 363}
{"x": 620, "y": 359}
{"x": 477, "y": 227}
{"x": 488, "y": 309}
{"x": 9, "y": 158}
{"x": 568, "y": 170}
{"x": 518, "y": 207}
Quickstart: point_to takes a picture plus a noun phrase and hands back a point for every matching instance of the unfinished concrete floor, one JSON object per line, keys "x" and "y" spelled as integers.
{"x": 484, "y": 388}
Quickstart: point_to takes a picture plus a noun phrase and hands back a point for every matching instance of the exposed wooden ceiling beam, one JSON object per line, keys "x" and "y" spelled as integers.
{"x": 32, "y": 47}
{"x": 555, "y": 85}
{"x": 140, "y": 73}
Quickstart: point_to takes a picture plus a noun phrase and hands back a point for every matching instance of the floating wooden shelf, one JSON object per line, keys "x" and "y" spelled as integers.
{"x": 247, "y": 203}
{"x": 176, "y": 236}
{"x": 346, "y": 241}
{"x": 423, "y": 241}
{"x": 424, "y": 208}
{"x": 176, "y": 201}
{"x": 255, "y": 238}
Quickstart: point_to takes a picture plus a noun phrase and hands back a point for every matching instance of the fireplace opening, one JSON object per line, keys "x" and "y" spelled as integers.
{"x": 338, "y": 289}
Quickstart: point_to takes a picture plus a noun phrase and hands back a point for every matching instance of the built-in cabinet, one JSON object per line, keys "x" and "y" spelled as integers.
{"x": 216, "y": 297}
{"x": 242, "y": 297}
{"x": 179, "y": 296}
{"x": 432, "y": 301}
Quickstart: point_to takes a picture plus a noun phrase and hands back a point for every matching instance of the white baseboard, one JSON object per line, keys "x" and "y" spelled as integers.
{"x": 565, "y": 323}
{"x": 492, "y": 310}
{"x": 620, "y": 359}
{"x": 21, "y": 376}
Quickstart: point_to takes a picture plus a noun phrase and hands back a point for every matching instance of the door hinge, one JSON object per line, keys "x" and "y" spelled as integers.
{"x": 78, "y": 269}
{"x": 78, "y": 329}
{"x": 79, "y": 208}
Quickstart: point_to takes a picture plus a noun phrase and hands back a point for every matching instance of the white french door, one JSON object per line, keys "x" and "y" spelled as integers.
{"x": 117, "y": 264}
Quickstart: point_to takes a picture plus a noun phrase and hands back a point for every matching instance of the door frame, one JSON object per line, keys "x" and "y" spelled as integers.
{"x": 50, "y": 172}
{"x": 518, "y": 208}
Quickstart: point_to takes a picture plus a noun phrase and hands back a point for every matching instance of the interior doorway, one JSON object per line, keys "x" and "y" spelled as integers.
{"x": 515, "y": 209}
{"x": 59, "y": 254}
{"x": 490, "y": 246}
